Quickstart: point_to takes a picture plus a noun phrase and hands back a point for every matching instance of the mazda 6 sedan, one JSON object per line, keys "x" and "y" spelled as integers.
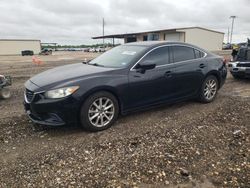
{"x": 127, "y": 78}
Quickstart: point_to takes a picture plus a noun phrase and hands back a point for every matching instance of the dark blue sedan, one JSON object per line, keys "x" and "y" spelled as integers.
{"x": 128, "y": 78}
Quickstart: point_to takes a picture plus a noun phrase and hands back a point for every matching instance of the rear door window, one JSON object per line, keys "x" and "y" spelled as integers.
{"x": 183, "y": 53}
{"x": 198, "y": 53}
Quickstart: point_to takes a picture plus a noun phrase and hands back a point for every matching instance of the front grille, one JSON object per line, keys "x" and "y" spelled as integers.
{"x": 29, "y": 95}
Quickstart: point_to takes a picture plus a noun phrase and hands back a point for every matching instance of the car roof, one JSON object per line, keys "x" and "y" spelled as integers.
{"x": 152, "y": 44}
{"x": 157, "y": 43}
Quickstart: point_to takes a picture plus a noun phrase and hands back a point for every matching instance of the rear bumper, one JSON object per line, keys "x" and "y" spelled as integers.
{"x": 223, "y": 76}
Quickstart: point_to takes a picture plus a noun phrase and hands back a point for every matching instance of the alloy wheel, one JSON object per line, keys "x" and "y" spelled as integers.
{"x": 210, "y": 89}
{"x": 101, "y": 112}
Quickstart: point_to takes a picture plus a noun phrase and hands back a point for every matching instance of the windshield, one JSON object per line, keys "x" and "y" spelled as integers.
{"x": 243, "y": 55}
{"x": 248, "y": 55}
{"x": 118, "y": 57}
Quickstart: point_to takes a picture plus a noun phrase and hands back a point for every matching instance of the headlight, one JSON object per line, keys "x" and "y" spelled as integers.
{"x": 60, "y": 93}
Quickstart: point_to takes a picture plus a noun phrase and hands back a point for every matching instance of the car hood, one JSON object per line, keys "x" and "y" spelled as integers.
{"x": 66, "y": 73}
{"x": 240, "y": 64}
{"x": 243, "y": 64}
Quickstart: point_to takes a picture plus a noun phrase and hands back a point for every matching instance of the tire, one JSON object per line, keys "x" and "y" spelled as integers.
{"x": 5, "y": 93}
{"x": 209, "y": 89}
{"x": 94, "y": 117}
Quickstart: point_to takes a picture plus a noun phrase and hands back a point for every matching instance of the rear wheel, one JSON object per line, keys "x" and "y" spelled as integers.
{"x": 5, "y": 93}
{"x": 209, "y": 89}
{"x": 99, "y": 111}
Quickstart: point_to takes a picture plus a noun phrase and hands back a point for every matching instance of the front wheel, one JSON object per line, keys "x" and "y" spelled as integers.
{"x": 5, "y": 93}
{"x": 209, "y": 89}
{"x": 99, "y": 111}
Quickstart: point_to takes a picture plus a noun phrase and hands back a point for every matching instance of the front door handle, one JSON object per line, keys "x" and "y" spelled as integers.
{"x": 168, "y": 74}
{"x": 202, "y": 66}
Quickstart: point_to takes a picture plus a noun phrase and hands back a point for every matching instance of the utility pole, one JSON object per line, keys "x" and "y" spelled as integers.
{"x": 228, "y": 31}
{"x": 232, "y": 28}
{"x": 103, "y": 25}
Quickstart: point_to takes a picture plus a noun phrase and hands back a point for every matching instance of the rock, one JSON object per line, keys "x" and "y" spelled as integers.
{"x": 197, "y": 152}
{"x": 238, "y": 133}
{"x": 216, "y": 173}
{"x": 184, "y": 172}
{"x": 150, "y": 171}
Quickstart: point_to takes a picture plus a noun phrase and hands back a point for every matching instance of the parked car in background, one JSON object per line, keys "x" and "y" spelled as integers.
{"x": 100, "y": 49}
{"x": 227, "y": 46}
{"x": 71, "y": 49}
{"x": 127, "y": 78}
{"x": 92, "y": 50}
{"x": 46, "y": 52}
{"x": 27, "y": 53}
{"x": 240, "y": 67}
{"x": 86, "y": 49}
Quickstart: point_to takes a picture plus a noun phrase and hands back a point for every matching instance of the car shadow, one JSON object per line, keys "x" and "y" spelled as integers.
{"x": 76, "y": 129}
{"x": 157, "y": 112}
{"x": 58, "y": 130}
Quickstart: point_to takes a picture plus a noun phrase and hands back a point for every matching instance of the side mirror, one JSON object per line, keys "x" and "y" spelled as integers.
{"x": 142, "y": 68}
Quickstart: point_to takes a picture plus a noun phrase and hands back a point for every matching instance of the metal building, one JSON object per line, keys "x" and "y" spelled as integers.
{"x": 16, "y": 46}
{"x": 202, "y": 37}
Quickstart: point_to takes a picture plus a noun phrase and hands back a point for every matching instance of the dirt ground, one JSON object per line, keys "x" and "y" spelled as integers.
{"x": 181, "y": 145}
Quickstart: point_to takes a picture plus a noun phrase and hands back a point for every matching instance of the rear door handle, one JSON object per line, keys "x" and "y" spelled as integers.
{"x": 168, "y": 74}
{"x": 202, "y": 66}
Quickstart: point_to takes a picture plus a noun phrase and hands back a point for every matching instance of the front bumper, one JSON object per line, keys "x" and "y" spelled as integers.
{"x": 55, "y": 112}
{"x": 240, "y": 71}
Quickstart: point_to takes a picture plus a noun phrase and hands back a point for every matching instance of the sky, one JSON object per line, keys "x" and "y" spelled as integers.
{"x": 76, "y": 21}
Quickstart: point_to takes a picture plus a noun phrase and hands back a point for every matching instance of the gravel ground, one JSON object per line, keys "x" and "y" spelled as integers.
{"x": 181, "y": 145}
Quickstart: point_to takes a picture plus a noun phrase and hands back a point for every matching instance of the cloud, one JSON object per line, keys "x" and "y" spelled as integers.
{"x": 76, "y": 21}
